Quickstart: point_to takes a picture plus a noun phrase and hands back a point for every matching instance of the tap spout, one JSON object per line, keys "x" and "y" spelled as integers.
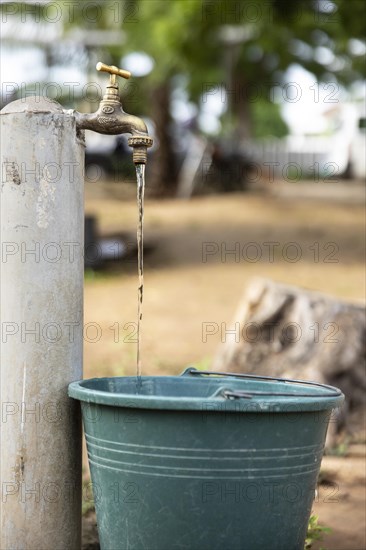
{"x": 110, "y": 118}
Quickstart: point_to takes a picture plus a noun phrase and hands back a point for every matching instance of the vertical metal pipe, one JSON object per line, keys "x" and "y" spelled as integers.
{"x": 42, "y": 227}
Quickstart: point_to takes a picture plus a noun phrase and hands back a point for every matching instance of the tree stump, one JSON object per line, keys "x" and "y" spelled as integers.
{"x": 290, "y": 332}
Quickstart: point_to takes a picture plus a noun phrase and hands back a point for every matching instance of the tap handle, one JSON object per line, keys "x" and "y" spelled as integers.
{"x": 113, "y": 71}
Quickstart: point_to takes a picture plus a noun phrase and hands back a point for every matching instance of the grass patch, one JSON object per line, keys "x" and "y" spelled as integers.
{"x": 340, "y": 450}
{"x": 315, "y": 532}
{"x": 87, "y": 501}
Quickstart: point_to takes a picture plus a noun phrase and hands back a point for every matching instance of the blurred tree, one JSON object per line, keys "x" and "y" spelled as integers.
{"x": 239, "y": 50}
{"x": 267, "y": 120}
{"x": 235, "y": 50}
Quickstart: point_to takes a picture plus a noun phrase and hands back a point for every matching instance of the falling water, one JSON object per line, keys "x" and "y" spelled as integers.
{"x": 140, "y": 172}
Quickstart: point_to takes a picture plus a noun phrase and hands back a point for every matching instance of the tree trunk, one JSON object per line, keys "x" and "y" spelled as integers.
{"x": 163, "y": 173}
{"x": 294, "y": 333}
{"x": 240, "y": 109}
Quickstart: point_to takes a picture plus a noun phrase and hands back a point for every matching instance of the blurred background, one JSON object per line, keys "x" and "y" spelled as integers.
{"x": 257, "y": 83}
{"x": 257, "y": 109}
{"x": 258, "y": 115}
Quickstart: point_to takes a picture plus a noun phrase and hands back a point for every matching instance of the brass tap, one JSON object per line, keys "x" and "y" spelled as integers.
{"x": 113, "y": 71}
{"x": 110, "y": 118}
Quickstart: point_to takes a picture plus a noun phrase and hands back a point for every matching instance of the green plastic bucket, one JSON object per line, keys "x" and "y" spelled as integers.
{"x": 204, "y": 461}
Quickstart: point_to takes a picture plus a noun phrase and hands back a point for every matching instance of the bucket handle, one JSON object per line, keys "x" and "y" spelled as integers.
{"x": 331, "y": 391}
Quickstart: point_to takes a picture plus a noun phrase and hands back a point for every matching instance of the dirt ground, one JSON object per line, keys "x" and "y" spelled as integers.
{"x": 200, "y": 256}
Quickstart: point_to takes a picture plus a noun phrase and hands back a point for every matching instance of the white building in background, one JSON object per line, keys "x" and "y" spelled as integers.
{"x": 339, "y": 151}
{"x": 358, "y": 147}
{"x": 348, "y": 139}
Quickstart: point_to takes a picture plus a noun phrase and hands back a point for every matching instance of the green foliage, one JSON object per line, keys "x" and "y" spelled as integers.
{"x": 341, "y": 449}
{"x": 236, "y": 45}
{"x": 92, "y": 275}
{"x": 191, "y": 38}
{"x": 315, "y": 532}
{"x": 186, "y": 37}
{"x": 267, "y": 120}
{"x": 98, "y": 276}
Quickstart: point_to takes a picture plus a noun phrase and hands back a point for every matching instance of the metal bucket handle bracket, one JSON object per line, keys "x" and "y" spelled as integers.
{"x": 330, "y": 391}
{"x": 228, "y": 393}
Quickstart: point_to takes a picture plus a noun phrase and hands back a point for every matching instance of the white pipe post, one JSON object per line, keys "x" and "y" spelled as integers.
{"x": 42, "y": 235}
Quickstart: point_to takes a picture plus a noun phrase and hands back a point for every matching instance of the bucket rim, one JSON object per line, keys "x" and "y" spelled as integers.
{"x": 228, "y": 394}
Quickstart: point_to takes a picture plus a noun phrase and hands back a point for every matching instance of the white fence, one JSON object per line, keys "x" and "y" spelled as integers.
{"x": 301, "y": 155}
